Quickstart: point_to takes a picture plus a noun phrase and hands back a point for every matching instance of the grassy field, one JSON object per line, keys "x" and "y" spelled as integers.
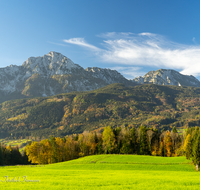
{"x": 105, "y": 172}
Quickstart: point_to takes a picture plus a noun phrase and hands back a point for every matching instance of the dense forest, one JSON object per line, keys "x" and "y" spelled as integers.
{"x": 159, "y": 107}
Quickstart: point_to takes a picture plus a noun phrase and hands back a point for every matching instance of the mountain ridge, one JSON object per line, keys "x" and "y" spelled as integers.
{"x": 168, "y": 77}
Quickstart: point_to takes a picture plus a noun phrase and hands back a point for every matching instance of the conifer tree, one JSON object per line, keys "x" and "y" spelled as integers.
{"x": 133, "y": 142}
{"x": 174, "y": 130}
{"x": 196, "y": 152}
{"x": 143, "y": 140}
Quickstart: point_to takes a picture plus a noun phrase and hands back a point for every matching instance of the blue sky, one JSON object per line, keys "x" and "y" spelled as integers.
{"x": 131, "y": 36}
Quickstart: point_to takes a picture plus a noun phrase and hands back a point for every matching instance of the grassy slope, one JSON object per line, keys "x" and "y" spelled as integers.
{"x": 107, "y": 172}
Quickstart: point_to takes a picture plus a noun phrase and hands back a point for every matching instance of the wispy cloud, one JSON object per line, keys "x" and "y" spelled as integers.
{"x": 59, "y": 44}
{"x": 145, "y": 49}
{"x": 130, "y": 72}
{"x": 81, "y": 42}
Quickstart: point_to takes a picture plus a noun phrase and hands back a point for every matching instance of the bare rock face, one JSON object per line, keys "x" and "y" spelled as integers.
{"x": 53, "y": 74}
{"x": 168, "y": 77}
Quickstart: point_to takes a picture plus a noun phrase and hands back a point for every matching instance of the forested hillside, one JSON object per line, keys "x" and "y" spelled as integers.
{"x": 115, "y": 105}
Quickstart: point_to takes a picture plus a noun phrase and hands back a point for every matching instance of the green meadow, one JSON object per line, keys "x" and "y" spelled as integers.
{"x": 104, "y": 172}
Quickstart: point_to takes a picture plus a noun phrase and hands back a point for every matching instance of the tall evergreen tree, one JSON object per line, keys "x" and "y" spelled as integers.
{"x": 196, "y": 152}
{"x": 143, "y": 140}
{"x": 133, "y": 140}
{"x": 54, "y": 148}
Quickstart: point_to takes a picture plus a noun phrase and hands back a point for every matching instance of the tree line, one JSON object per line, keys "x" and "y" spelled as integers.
{"x": 120, "y": 140}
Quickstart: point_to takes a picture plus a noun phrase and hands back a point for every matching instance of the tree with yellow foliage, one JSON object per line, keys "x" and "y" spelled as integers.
{"x": 188, "y": 146}
{"x": 168, "y": 144}
{"x": 32, "y": 152}
{"x": 108, "y": 140}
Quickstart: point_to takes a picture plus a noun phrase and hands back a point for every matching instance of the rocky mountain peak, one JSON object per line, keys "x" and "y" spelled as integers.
{"x": 50, "y": 64}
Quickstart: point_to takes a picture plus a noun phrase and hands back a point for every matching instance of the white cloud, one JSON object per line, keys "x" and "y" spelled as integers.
{"x": 145, "y": 49}
{"x": 81, "y": 42}
{"x": 146, "y": 34}
{"x": 59, "y": 44}
{"x": 130, "y": 72}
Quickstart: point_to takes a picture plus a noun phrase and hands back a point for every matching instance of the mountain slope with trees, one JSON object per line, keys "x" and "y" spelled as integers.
{"x": 161, "y": 107}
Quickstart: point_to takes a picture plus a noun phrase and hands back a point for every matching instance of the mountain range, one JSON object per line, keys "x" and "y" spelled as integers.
{"x": 54, "y": 74}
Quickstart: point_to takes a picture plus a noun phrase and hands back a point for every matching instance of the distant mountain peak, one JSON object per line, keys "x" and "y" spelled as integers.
{"x": 168, "y": 77}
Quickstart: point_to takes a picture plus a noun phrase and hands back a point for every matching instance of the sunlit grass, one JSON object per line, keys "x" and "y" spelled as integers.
{"x": 106, "y": 172}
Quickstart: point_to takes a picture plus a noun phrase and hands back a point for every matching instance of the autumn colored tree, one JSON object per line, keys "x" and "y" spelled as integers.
{"x": 168, "y": 144}
{"x": 82, "y": 145}
{"x": 125, "y": 139}
{"x": 49, "y": 151}
{"x": 92, "y": 142}
{"x": 71, "y": 148}
{"x": 42, "y": 152}
{"x": 32, "y": 152}
{"x": 108, "y": 138}
{"x": 188, "y": 146}
{"x": 60, "y": 151}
